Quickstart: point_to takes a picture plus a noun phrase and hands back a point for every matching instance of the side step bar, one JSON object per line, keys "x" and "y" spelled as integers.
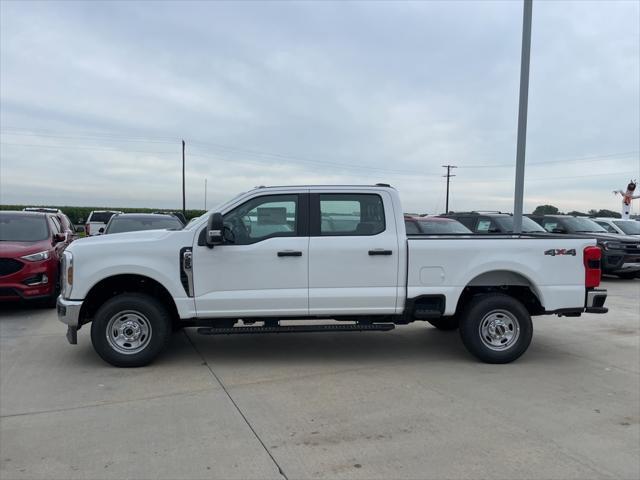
{"x": 297, "y": 329}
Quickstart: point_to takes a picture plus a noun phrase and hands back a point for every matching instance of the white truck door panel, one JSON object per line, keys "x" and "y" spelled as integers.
{"x": 353, "y": 254}
{"x": 265, "y": 272}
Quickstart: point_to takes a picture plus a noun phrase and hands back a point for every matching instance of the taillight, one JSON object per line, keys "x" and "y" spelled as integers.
{"x": 592, "y": 256}
{"x": 86, "y": 229}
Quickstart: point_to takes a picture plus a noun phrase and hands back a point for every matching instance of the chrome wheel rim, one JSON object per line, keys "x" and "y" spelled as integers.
{"x": 128, "y": 332}
{"x": 499, "y": 330}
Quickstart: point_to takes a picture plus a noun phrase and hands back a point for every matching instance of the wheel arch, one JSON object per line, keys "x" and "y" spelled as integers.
{"x": 508, "y": 282}
{"x": 114, "y": 285}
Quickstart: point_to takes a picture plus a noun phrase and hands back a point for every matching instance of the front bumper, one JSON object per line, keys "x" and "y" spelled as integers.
{"x": 614, "y": 262}
{"x": 69, "y": 313}
{"x": 32, "y": 281}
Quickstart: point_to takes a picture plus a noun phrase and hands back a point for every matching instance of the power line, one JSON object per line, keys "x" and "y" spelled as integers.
{"x": 260, "y": 153}
{"x": 391, "y": 173}
{"x": 590, "y": 158}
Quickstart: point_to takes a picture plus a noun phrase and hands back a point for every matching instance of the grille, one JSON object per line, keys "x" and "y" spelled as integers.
{"x": 8, "y": 292}
{"x": 9, "y": 266}
{"x": 632, "y": 247}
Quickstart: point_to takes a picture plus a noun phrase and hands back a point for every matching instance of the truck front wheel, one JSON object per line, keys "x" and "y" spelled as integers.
{"x": 130, "y": 330}
{"x": 496, "y": 328}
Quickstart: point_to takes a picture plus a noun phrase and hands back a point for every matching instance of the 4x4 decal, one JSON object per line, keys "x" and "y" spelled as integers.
{"x": 560, "y": 251}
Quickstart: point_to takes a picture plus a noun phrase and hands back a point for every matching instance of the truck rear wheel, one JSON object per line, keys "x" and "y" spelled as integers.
{"x": 130, "y": 330}
{"x": 496, "y": 328}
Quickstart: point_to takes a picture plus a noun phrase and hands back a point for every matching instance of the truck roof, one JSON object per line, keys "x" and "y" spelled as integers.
{"x": 376, "y": 186}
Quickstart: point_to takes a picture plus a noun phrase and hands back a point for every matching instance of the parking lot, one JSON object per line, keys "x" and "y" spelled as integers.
{"x": 410, "y": 403}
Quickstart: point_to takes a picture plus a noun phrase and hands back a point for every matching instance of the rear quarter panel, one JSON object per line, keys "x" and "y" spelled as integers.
{"x": 446, "y": 265}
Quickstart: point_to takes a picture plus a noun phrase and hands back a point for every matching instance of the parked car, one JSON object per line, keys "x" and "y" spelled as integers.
{"x": 98, "y": 219}
{"x": 277, "y": 253}
{"x": 179, "y": 215}
{"x": 31, "y": 245}
{"x": 620, "y": 253}
{"x": 65, "y": 223}
{"x": 134, "y": 222}
{"x": 493, "y": 222}
{"x": 619, "y": 226}
{"x": 429, "y": 225}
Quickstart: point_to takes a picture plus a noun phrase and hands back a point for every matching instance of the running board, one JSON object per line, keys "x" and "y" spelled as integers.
{"x": 297, "y": 329}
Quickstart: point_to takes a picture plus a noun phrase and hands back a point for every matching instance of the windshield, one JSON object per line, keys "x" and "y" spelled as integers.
{"x": 628, "y": 227}
{"x": 220, "y": 208}
{"x": 128, "y": 224}
{"x": 528, "y": 225}
{"x": 23, "y": 228}
{"x": 582, "y": 225}
{"x": 441, "y": 227}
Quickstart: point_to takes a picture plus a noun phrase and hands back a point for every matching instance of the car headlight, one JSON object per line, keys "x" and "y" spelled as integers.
{"x": 37, "y": 257}
{"x": 67, "y": 274}
{"x": 613, "y": 246}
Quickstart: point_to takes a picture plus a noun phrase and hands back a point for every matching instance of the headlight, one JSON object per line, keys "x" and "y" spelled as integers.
{"x": 37, "y": 257}
{"x": 67, "y": 274}
{"x": 613, "y": 246}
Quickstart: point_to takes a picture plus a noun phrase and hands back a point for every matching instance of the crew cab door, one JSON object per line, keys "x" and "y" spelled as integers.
{"x": 262, "y": 268}
{"x": 353, "y": 253}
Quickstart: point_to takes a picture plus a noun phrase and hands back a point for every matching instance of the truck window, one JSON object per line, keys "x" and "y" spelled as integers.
{"x": 487, "y": 225}
{"x": 351, "y": 214}
{"x": 261, "y": 218}
{"x": 468, "y": 222}
{"x": 412, "y": 228}
{"x": 550, "y": 225}
{"x": 607, "y": 227}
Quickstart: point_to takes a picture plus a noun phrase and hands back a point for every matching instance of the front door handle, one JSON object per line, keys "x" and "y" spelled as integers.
{"x": 289, "y": 253}
{"x": 380, "y": 251}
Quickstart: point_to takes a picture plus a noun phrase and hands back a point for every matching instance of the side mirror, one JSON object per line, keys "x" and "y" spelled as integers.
{"x": 215, "y": 226}
{"x": 59, "y": 237}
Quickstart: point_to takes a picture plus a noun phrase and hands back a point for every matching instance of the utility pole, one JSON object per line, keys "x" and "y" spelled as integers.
{"x": 205, "y": 194}
{"x": 184, "y": 202}
{"x": 522, "y": 116}
{"x": 448, "y": 175}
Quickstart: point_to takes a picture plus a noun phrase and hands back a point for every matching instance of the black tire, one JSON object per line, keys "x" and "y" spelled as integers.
{"x": 496, "y": 328}
{"x": 628, "y": 276}
{"x": 140, "y": 316}
{"x": 445, "y": 323}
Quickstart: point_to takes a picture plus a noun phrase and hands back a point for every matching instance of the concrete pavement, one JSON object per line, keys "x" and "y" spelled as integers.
{"x": 410, "y": 403}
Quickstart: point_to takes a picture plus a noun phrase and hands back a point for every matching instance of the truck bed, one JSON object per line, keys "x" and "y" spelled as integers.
{"x": 551, "y": 266}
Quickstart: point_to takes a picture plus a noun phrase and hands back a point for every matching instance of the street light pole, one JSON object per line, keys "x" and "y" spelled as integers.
{"x": 184, "y": 203}
{"x": 522, "y": 116}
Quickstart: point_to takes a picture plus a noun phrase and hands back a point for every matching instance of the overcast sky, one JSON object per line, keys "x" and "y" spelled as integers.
{"x": 95, "y": 98}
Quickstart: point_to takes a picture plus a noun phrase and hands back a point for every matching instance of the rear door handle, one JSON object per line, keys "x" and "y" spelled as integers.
{"x": 289, "y": 253}
{"x": 380, "y": 251}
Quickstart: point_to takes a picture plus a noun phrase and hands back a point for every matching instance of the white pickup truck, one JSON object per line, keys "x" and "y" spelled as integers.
{"x": 320, "y": 252}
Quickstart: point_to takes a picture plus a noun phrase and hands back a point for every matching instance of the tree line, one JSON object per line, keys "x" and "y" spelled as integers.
{"x": 551, "y": 210}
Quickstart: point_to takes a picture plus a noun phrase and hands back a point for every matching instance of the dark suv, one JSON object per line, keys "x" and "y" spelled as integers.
{"x": 620, "y": 253}
{"x": 493, "y": 222}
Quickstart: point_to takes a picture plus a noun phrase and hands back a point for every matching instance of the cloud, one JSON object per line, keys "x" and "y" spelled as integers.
{"x": 94, "y": 99}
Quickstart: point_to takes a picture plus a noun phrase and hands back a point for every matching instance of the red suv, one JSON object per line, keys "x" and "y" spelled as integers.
{"x": 31, "y": 245}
